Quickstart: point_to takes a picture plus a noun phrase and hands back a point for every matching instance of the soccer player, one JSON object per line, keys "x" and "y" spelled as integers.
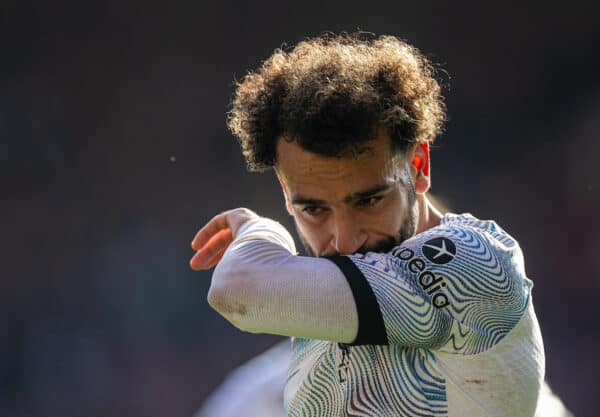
{"x": 402, "y": 311}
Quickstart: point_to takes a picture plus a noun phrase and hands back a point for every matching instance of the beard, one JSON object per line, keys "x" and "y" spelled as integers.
{"x": 407, "y": 230}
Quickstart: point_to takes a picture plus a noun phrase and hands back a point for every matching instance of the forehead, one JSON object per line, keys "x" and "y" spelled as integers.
{"x": 310, "y": 175}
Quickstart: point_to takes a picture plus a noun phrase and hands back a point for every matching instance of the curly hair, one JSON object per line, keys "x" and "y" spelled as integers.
{"x": 331, "y": 93}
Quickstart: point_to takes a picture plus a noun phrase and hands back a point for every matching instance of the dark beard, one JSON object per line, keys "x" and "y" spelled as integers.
{"x": 407, "y": 230}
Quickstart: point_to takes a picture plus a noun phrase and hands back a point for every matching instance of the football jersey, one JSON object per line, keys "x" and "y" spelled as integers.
{"x": 255, "y": 389}
{"x": 446, "y": 328}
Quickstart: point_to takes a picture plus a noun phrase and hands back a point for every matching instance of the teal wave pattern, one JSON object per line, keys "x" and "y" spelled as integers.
{"x": 484, "y": 294}
{"x": 484, "y": 284}
{"x": 380, "y": 381}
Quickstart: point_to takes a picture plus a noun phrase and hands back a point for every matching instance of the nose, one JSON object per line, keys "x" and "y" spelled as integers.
{"x": 347, "y": 235}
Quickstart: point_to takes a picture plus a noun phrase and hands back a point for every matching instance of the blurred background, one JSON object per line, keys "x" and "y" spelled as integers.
{"x": 114, "y": 151}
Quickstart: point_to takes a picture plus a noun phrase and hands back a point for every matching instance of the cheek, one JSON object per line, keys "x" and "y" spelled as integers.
{"x": 391, "y": 216}
{"x": 316, "y": 235}
{"x": 388, "y": 223}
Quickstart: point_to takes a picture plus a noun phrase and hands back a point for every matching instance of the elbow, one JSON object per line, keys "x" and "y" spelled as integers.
{"x": 230, "y": 300}
{"x": 223, "y": 299}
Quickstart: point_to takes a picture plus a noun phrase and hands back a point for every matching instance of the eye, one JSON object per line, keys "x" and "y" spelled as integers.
{"x": 369, "y": 202}
{"x": 314, "y": 210}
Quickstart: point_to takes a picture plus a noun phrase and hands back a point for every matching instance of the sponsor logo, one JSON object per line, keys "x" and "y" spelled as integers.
{"x": 439, "y": 250}
{"x": 432, "y": 284}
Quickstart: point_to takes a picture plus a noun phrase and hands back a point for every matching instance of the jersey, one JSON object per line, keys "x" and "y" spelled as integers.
{"x": 446, "y": 328}
{"x": 255, "y": 389}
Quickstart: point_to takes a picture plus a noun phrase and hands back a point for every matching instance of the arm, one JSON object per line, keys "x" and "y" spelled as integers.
{"x": 261, "y": 286}
{"x": 469, "y": 301}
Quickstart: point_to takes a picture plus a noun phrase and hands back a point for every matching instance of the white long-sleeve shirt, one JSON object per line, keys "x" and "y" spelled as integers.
{"x": 441, "y": 326}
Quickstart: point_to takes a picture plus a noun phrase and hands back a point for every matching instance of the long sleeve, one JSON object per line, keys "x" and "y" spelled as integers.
{"x": 262, "y": 286}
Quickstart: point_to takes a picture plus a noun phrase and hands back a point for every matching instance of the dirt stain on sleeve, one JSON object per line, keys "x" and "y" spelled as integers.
{"x": 231, "y": 307}
{"x": 476, "y": 381}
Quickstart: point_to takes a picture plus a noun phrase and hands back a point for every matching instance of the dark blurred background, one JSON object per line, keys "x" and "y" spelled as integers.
{"x": 114, "y": 151}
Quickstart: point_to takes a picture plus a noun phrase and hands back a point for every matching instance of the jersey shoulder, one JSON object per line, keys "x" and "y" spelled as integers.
{"x": 464, "y": 242}
{"x": 490, "y": 227}
{"x": 469, "y": 270}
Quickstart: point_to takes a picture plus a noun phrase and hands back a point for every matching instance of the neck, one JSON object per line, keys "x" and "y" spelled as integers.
{"x": 429, "y": 215}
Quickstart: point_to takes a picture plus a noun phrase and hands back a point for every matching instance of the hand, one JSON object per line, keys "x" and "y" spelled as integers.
{"x": 215, "y": 237}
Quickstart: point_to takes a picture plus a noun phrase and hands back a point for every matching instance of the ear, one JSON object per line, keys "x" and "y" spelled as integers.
{"x": 422, "y": 166}
{"x": 286, "y": 194}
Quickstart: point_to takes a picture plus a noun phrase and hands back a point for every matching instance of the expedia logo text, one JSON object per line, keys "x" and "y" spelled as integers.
{"x": 431, "y": 283}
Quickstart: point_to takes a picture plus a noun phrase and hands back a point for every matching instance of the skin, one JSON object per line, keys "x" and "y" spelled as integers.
{"x": 371, "y": 200}
{"x": 337, "y": 224}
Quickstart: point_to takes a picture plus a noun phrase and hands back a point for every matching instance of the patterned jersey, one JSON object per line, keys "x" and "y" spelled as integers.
{"x": 446, "y": 328}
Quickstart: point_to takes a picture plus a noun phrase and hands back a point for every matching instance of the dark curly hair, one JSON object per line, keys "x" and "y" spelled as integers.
{"x": 330, "y": 94}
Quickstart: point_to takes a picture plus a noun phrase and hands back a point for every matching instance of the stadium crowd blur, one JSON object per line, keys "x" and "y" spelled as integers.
{"x": 114, "y": 151}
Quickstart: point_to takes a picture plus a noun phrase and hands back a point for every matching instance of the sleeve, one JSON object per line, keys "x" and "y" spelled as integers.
{"x": 261, "y": 286}
{"x": 453, "y": 288}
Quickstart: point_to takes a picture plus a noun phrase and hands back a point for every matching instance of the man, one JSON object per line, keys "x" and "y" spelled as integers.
{"x": 433, "y": 314}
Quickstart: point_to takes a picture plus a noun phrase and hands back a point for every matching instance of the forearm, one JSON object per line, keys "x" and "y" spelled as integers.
{"x": 259, "y": 244}
{"x": 261, "y": 286}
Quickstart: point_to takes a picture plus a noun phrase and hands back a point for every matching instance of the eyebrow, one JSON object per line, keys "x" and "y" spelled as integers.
{"x": 359, "y": 195}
